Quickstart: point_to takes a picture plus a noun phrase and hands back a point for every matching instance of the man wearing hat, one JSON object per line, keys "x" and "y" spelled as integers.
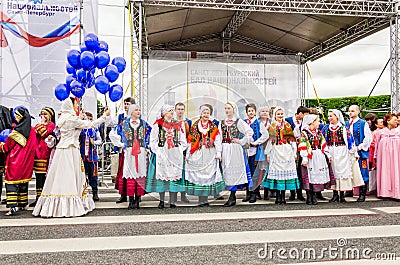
{"x": 42, "y": 154}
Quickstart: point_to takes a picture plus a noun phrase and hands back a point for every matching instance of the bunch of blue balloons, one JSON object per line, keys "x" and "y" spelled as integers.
{"x": 83, "y": 65}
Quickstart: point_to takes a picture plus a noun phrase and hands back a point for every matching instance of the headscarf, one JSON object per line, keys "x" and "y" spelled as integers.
{"x": 67, "y": 111}
{"x": 23, "y": 120}
{"x": 308, "y": 119}
{"x": 338, "y": 114}
{"x": 164, "y": 109}
{"x": 132, "y": 107}
{"x": 235, "y": 108}
{"x": 276, "y": 110}
{"x": 50, "y": 111}
{"x": 203, "y": 108}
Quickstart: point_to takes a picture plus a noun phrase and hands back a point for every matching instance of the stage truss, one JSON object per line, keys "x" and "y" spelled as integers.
{"x": 375, "y": 15}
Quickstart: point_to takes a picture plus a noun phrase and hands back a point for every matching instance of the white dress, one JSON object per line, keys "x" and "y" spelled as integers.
{"x": 65, "y": 189}
{"x": 233, "y": 165}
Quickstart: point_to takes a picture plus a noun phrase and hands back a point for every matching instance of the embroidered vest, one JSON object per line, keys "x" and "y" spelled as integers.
{"x": 131, "y": 133}
{"x": 334, "y": 138}
{"x": 230, "y": 132}
{"x": 162, "y": 137}
{"x": 358, "y": 134}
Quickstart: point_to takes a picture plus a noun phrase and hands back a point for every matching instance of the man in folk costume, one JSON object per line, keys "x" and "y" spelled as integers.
{"x": 120, "y": 182}
{"x": 42, "y": 155}
{"x": 5, "y": 124}
{"x": 167, "y": 143}
{"x": 135, "y": 141}
{"x": 363, "y": 138}
{"x": 180, "y": 116}
{"x": 20, "y": 148}
{"x": 296, "y": 124}
{"x": 88, "y": 142}
{"x": 255, "y": 153}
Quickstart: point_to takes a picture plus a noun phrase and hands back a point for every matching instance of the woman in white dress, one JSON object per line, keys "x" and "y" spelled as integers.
{"x": 167, "y": 142}
{"x": 235, "y": 134}
{"x": 202, "y": 172}
{"x": 65, "y": 190}
{"x": 134, "y": 140}
{"x": 281, "y": 152}
{"x": 344, "y": 153}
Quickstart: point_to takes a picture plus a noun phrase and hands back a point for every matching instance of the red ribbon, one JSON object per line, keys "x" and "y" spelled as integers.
{"x": 136, "y": 151}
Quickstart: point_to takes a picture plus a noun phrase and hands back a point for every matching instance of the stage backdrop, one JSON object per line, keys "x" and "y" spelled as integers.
{"x": 35, "y": 37}
{"x": 197, "y": 78}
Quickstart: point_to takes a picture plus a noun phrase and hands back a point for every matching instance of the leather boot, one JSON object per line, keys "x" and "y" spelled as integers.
{"x": 313, "y": 198}
{"x": 258, "y": 194}
{"x": 137, "y": 201}
{"x": 266, "y": 194}
{"x": 341, "y": 197}
{"x": 349, "y": 194}
{"x": 319, "y": 196}
{"x": 131, "y": 202}
{"x": 278, "y": 197}
{"x": 292, "y": 196}
{"x": 162, "y": 198}
{"x": 248, "y": 195}
{"x": 308, "y": 201}
{"x": 173, "y": 196}
{"x": 253, "y": 197}
{"x": 122, "y": 199}
{"x": 95, "y": 194}
{"x": 232, "y": 199}
{"x": 283, "y": 199}
{"x": 335, "y": 197}
{"x": 363, "y": 191}
{"x": 33, "y": 204}
{"x": 300, "y": 196}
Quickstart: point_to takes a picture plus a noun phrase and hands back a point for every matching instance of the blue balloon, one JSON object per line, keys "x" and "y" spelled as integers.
{"x": 103, "y": 46}
{"x": 111, "y": 73}
{"x": 74, "y": 58}
{"x": 83, "y": 47}
{"x": 68, "y": 80}
{"x": 4, "y": 134}
{"x": 77, "y": 89}
{"x": 116, "y": 93}
{"x": 87, "y": 60}
{"x": 81, "y": 76}
{"x": 70, "y": 69}
{"x": 91, "y": 41}
{"x": 120, "y": 63}
{"x": 102, "y": 84}
{"x": 102, "y": 59}
{"x": 61, "y": 92}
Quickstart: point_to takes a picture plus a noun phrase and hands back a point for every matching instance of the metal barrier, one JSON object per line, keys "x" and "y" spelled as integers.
{"x": 107, "y": 151}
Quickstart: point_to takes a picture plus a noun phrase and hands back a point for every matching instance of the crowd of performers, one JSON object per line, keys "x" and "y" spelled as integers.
{"x": 201, "y": 158}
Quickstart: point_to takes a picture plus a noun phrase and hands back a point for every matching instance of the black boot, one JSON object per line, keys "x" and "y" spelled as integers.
{"x": 33, "y": 204}
{"x": 341, "y": 197}
{"x": 137, "y": 201}
{"x": 309, "y": 200}
{"x": 278, "y": 198}
{"x": 131, "y": 202}
{"x": 162, "y": 198}
{"x": 349, "y": 194}
{"x": 253, "y": 197}
{"x": 173, "y": 196}
{"x": 266, "y": 194}
{"x": 313, "y": 198}
{"x": 122, "y": 199}
{"x": 248, "y": 195}
{"x": 335, "y": 197}
{"x": 292, "y": 196}
{"x": 363, "y": 191}
{"x": 232, "y": 199}
{"x": 283, "y": 199}
{"x": 258, "y": 194}
{"x": 300, "y": 196}
{"x": 319, "y": 196}
{"x": 95, "y": 194}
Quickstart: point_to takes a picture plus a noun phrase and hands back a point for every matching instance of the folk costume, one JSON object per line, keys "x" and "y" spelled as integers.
{"x": 316, "y": 176}
{"x": 90, "y": 157}
{"x": 19, "y": 148}
{"x": 5, "y": 123}
{"x": 65, "y": 190}
{"x": 43, "y": 152}
{"x": 235, "y": 168}
{"x": 282, "y": 151}
{"x": 341, "y": 147}
{"x": 387, "y": 163}
{"x": 167, "y": 143}
{"x": 255, "y": 154}
{"x": 362, "y": 138}
{"x": 135, "y": 142}
{"x": 203, "y": 175}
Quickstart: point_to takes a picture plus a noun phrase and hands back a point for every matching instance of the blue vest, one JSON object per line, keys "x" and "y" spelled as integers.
{"x": 358, "y": 135}
{"x": 92, "y": 155}
{"x": 257, "y": 134}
